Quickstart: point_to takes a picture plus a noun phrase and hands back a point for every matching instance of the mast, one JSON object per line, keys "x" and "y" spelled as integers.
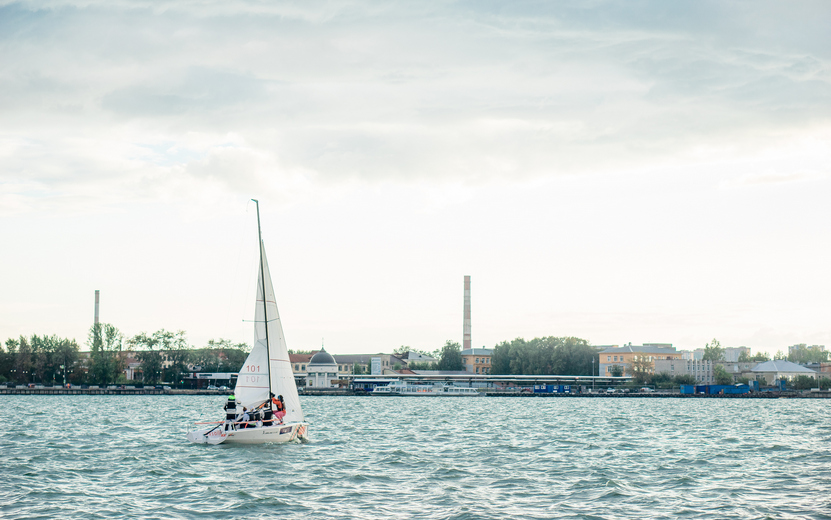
{"x": 265, "y": 307}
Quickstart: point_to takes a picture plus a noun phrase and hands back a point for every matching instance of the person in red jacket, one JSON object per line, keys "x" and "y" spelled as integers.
{"x": 278, "y": 407}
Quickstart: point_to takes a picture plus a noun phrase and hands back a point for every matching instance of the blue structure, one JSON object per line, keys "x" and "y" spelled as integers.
{"x": 552, "y": 389}
{"x": 737, "y": 389}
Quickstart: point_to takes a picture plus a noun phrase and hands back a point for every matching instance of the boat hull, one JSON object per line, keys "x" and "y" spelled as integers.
{"x": 421, "y": 394}
{"x": 277, "y": 434}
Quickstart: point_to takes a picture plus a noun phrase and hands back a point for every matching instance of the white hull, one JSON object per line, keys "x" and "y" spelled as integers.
{"x": 403, "y": 389}
{"x": 280, "y": 433}
{"x": 424, "y": 394}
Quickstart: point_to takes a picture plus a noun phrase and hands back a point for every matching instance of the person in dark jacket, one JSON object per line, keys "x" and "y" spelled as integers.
{"x": 230, "y": 411}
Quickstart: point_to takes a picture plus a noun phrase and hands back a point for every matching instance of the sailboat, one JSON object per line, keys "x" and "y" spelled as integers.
{"x": 266, "y": 371}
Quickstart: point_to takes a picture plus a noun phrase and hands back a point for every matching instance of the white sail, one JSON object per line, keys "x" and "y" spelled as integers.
{"x": 252, "y": 384}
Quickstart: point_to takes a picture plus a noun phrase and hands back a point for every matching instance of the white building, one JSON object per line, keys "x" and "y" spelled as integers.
{"x": 321, "y": 371}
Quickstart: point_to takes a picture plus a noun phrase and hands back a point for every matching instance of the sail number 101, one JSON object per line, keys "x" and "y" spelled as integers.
{"x": 252, "y": 368}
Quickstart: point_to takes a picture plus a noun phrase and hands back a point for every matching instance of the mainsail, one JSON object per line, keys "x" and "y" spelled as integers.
{"x": 253, "y": 381}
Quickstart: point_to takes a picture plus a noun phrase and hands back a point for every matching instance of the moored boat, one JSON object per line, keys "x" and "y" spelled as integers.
{"x": 403, "y": 388}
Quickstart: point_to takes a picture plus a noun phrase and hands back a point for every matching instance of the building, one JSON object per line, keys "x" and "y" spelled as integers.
{"x": 417, "y": 357}
{"x": 345, "y": 364}
{"x": 477, "y": 360}
{"x": 779, "y": 369}
{"x": 321, "y": 370}
{"x": 299, "y": 362}
{"x": 732, "y": 354}
{"x": 703, "y": 371}
{"x": 625, "y": 355}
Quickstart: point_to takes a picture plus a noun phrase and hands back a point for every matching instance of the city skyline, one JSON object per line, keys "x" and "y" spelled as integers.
{"x": 615, "y": 172}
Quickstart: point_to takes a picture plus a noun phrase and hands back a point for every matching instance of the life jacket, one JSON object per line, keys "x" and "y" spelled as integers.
{"x": 278, "y": 405}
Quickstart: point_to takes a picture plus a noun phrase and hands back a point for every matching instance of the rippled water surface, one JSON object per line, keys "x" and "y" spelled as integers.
{"x": 384, "y": 457}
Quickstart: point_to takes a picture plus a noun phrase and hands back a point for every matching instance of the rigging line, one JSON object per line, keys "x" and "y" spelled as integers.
{"x": 262, "y": 280}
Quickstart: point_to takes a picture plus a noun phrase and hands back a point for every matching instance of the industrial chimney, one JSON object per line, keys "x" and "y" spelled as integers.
{"x": 97, "y": 296}
{"x": 466, "y": 332}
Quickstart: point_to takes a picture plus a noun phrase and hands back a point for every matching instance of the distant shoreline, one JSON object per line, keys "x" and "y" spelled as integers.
{"x": 349, "y": 393}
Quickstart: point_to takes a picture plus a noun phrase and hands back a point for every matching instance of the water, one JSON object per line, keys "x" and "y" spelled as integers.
{"x": 371, "y": 457}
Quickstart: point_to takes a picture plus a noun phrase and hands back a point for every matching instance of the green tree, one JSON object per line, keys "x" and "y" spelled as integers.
{"x": 616, "y": 370}
{"x": 105, "y": 342}
{"x": 713, "y": 351}
{"x": 661, "y": 380}
{"x": 148, "y": 354}
{"x": 684, "y": 379}
{"x": 221, "y": 356}
{"x": 803, "y": 382}
{"x": 722, "y": 376}
{"x": 41, "y": 359}
{"x": 641, "y": 369}
{"x": 357, "y": 369}
{"x": 175, "y": 351}
{"x": 22, "y": 370}
{"x": 10, "y": 360}
{"x": 451, "y": 356}
{"x": 5, "y": 364}
{"x": 761, "y": 357}
{"x": 544, "y": 356}
{"x": 66, "y": 356}
{"x": 805, "y": 354}
{"x": 415, "y": 365}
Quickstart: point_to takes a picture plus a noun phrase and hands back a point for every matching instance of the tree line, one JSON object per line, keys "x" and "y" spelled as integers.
{"x": 164, "y": 356}
{"x": 539, "y": 356}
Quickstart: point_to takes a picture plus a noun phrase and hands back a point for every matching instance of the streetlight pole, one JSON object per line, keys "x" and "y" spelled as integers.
{"x": 593, "y": 379}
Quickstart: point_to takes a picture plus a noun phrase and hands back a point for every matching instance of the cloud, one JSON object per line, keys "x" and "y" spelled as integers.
{"x": 405, "y": 92}
{"x": 772, "y": 178}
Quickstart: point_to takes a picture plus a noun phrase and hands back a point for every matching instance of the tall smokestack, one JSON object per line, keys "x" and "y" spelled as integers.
{"x": 466, "y": 337}
{"x": 97, "y": 300}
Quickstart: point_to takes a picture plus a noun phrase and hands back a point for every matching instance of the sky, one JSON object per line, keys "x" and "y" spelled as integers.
{"x": 621, "y": 172}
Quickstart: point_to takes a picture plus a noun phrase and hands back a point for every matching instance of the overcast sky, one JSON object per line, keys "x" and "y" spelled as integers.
{"x": 616, "y": 171}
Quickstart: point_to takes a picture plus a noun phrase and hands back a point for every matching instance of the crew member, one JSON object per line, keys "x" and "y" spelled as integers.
{"x": 230, "y": 411}
{"x": 244, "y": 418}
{"x": 267, "y": 411}
{"x": 279, "y": 407}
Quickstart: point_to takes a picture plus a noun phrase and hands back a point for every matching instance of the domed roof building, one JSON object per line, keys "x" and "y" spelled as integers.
{"x": 322, "y": 358}
{"x": 321, "y": 370}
